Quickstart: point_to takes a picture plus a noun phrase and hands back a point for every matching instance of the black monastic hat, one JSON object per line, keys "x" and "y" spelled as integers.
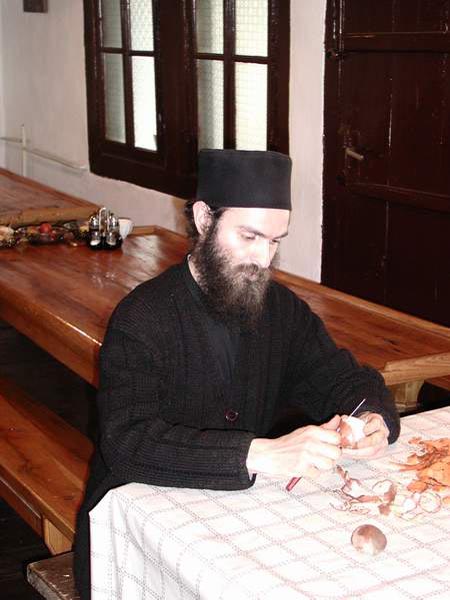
{"x": 244, "y": 178}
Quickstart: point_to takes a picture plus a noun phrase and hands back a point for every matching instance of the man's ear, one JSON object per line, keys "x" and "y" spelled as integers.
{"x": 202, "y": 216}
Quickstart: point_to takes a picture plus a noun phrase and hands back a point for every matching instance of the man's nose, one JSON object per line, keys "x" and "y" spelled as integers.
{"x": 262, "y": 253}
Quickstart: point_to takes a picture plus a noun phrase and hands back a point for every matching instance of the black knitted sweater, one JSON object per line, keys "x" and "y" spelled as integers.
{"x": 163, "y": 406}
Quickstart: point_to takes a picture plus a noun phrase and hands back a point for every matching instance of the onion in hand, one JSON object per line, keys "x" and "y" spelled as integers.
{"x": 351, "y": 430}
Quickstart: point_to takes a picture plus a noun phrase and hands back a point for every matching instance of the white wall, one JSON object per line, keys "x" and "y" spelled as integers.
{"x": 302, "y": 253}
{"x": 42, "y": 78}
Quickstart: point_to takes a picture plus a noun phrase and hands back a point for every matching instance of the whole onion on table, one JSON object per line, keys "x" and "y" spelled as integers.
{"x": 369, "y": 539}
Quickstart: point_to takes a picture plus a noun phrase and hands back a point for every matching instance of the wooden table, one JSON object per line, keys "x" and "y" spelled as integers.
{"x": 268, "y": 544}
{"x": 62, "y": 297}
{"x": 405, "y": 349}
{"x": 19, "y": 194}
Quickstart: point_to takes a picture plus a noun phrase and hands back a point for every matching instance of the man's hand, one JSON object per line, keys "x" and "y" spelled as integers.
{"x": 305, "y": 451}
{"x": 375, "y": 441}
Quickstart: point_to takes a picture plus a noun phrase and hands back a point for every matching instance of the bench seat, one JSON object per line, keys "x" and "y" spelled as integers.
{"x": 53, "y": 577}
{"x": 43, "y": 466}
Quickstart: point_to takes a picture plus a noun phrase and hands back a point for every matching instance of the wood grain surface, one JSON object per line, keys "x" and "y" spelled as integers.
{"x": 20, "y": 194}
{"x": 43, "y": 467}
{"x": 62, "y": 297}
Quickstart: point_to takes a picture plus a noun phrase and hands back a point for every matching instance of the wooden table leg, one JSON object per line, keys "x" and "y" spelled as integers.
{"x": 405, "y": 395}
{"x": 55, "y": 541}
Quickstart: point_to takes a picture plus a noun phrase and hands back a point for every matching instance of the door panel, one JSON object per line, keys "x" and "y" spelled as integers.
{"x": 395, "y": 15}
{"x": 366, "y": 116}
{"x": 362, "y": 247}
{"x": 418, "y": 110}
{"x": 411, "y": 283}
{"x": 420, "y": 15}
{"x": 387, "y": 153}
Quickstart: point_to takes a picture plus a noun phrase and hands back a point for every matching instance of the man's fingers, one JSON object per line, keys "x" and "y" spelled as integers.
{"x": 364, "y": 453}
{"x": 313, "y": 447}
{"x": 324, "y": 462}
{"x": 332, "y": 424}
{"x": 313, "y": 433}
{"x": 329, "y": 451}
{"x": 320, "y": 458}
{"x": 328, "y": 436}
{"x": 374, "y": 423}
{"x": 373, "y": 439}
{"x": 319, "y": 453}
{"x": 312, "y": 472}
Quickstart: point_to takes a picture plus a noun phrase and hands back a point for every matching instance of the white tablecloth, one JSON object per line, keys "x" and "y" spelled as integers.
{"x": 266, "y": 543}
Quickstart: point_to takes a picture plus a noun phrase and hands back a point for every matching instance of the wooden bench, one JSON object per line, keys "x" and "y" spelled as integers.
{"x": 53, "y": 577}
{"x": 442, "y": 382}
{"x": 43, "y": 466}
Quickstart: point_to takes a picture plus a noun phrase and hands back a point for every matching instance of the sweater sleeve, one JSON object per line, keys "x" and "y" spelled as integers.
{"x": 138, "y": 445}
{"x": 325, "y": 380}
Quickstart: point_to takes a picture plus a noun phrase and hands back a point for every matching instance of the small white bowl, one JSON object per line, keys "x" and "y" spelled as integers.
{"x": 125, "y": 227}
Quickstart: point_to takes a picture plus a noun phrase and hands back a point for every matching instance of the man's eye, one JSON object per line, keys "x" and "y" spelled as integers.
{"x": 248, "y": 236}
{"x": 274, "y": 242}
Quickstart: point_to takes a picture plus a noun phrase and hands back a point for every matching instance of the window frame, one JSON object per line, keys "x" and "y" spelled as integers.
{"x": 172, "y": 168}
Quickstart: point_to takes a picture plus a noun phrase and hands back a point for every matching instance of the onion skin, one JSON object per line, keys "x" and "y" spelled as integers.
{"x": 369, "y": 539}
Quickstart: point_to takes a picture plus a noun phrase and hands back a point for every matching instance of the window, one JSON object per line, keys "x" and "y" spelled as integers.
{"x": 167, "y": 77}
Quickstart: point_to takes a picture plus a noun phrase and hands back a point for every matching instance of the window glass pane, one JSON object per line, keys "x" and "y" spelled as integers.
{"x": 144, "y": 102}
{"x": 209, "y": 23}
{"x": 251, "y": 106}
{"x": 210, "y": 103}
{"x": 111, "y": 28}
{"x": 141, "y": 16}
{"x": 114, "y": 102}
{"x": 251, "y": 27}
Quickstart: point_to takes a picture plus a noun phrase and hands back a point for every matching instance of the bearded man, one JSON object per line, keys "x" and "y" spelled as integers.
{"x": 197, "y": 361}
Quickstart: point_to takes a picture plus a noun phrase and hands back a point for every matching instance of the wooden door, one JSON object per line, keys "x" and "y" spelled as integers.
{"x": 387, "y": 153}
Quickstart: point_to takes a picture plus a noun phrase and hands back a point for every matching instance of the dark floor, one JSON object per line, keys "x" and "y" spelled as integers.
{"x": 61, "y": 390}
{"x": 19, "y": 545}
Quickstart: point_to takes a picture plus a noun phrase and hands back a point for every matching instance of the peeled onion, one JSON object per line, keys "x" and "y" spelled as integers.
{"x": 351, "y": 430}
{"x": 369, "y": 539}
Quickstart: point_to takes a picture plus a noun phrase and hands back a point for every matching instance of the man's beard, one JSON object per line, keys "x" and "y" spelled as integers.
{"x": 236, "y": 294}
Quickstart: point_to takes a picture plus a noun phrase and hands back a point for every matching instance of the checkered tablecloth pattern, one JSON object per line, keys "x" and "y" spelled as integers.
{"x": 265, "y": 543}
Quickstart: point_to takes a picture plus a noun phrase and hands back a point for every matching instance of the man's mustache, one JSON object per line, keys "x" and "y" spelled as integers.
{"x": 252, "y": 269}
